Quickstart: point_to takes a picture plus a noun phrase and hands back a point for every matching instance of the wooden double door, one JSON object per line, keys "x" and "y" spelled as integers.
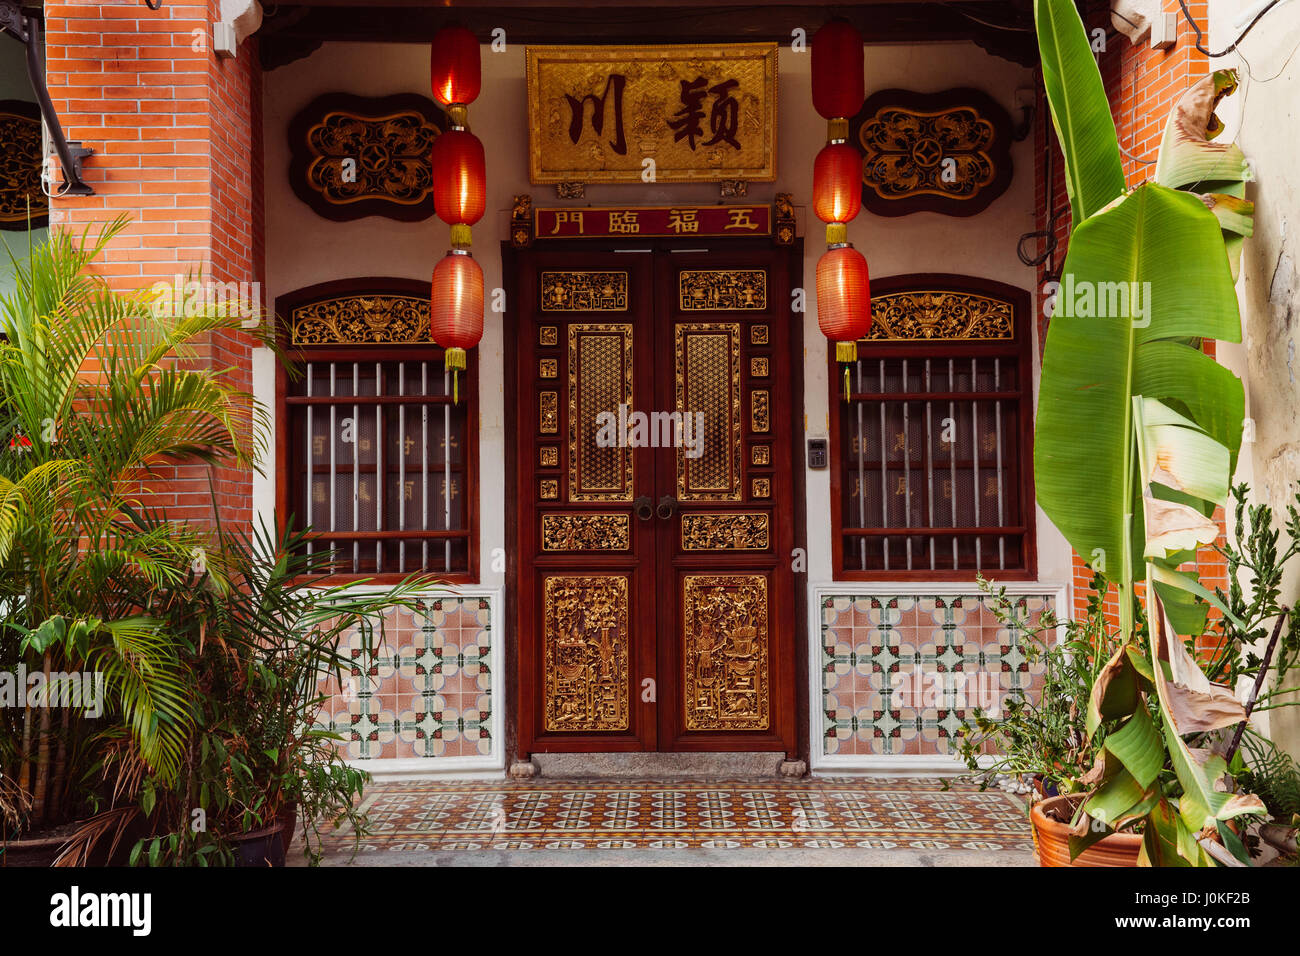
{"x": 654, "y": 431}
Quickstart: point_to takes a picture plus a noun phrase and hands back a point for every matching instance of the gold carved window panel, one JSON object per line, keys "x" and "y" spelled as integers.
{"x": 362, "y": 320}
{"x": 929, "y": 315}
{"x": 600, "y": 380}
{"x": 725, "y": 652}
{"x": 586, "y": 653}
{"x": 708, "y": 385}
{"x": 21, "y": 194}
{"x": 584, "y": 292}
{"x": 722, "y": 290}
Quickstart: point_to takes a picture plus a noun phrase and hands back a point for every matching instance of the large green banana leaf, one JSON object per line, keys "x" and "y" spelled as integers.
{"x": 1168, "y": 243}
{"x": 1094, "y": 175}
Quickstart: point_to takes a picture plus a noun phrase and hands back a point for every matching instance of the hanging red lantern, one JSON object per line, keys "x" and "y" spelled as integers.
{"x": 838, "y": 84}
{"x": 837, "y": 184}
{"x": 454, "y": 67}
{"x": 459, "y": 182}
{"x": 456, "y": 310}
{"x": 843, "y": 302}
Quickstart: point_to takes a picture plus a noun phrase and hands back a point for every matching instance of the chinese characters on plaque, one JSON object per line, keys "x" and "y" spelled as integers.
{"x": 598, "y": 114}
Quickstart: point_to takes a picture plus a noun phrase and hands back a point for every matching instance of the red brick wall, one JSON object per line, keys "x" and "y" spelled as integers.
{"x": 1143, "y": 85}
{"x": 176, "y": 134}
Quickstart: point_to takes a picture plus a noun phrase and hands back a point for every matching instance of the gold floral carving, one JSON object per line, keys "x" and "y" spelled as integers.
{"x": 586, "y": 652}
{"x": 548, "y": 368}
{"x": 905, "y": 152}
{"x": 725, "y": 659}
{"x": 760, "y": 455}
{"x": 584, "y": 291}
{"x": 548, "y": 456}
{"x": 912, "y": 316}
{"x": 361, "y": 320}
{"x": 725, "y": 532}
{"x": 586, "y": 532}
{"x": 722, "y": 290}
{"x": 548, "y": 335}
{"x": 760, "y": 366}
{"x": 762, "y": 488}
{"x": 760, "y": 410}
{"x": 758, "y": 334}
{"x": 548, "y": 412}
{"x": 20, "y": 170}
{"x": 550, "y": 489}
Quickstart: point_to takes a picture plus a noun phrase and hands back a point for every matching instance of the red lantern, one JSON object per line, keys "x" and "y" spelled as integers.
{"x": 838, "y": 85}
{"x": 459, "y": 182}
{"x": 843, "y": 302}
{"x": 837, "y": 183}
{"x": 456, "y": 310}
{"x": 454, "y": 68}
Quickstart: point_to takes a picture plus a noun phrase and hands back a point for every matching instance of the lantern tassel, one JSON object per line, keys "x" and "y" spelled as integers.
{"x": 846, "y": 383}
{"x": 454, "y": 359}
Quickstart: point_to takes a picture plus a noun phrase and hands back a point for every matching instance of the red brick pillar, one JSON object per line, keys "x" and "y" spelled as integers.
{"x": 176, "y": 132}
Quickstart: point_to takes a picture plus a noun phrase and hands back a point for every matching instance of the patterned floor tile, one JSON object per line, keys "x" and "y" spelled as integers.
{"x": 826, "y": 812}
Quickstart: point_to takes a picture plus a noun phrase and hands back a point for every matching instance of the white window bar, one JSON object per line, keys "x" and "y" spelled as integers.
{"x": 884, "y": 475}
{"x": 356, "y": 468}
{"x": 929, "y": 463}
{"x": 975, "y": 456}
{"x": 306, "y": 519}
{"x": 401, "y": 466}
{"x": 424, "y": 489}
{"x": 380, "y": 477}
{"x": 862, "y": 477}
{"x": 952, "y": 462}
{"x": 446, "y": 470}
{"x": 907, "y": 468}
{"x": 997, "y": 412}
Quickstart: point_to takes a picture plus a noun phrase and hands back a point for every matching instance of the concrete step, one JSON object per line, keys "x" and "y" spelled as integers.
{"x": 660, "y": 766}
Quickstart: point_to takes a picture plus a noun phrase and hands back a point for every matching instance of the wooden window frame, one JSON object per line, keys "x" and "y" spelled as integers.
{"x": 1019, "y": 348}
{"x": 297, "y": 355}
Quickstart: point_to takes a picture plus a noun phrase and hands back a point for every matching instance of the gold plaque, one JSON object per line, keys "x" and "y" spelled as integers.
{"x": 760, "y": 455}
{"x": 584, "y": 291}
{"x": 548, "y": 335}
{"x": 586, "y": 532}
{"x": 722, "y": 290}
{"x": 758, "y": 335}
{"x": 548, "y": 456}
{"x": 701, "y": 113}
{"x": 744, "y": 531}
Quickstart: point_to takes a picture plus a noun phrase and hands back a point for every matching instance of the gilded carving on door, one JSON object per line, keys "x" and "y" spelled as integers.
{"x": 600, "y": 379}
{"x": 725, "y": 532}
{"x": 725, "y": 652}
{"x": 586, "y": 651}
{"x": 708, "y": 383}
{"x": 599, "y": 532}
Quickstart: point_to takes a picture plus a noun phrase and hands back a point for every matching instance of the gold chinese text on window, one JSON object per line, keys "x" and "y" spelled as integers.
{"x": 940, "y": 315}
{"x": 700, "y": 113}
{"x": 361, "y": 320}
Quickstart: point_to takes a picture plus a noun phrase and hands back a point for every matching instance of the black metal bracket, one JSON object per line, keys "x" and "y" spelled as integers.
{"x": 27, "y": 30}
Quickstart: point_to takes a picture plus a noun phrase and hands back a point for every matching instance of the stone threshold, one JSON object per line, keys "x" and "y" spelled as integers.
{"x": 759, "y": 765}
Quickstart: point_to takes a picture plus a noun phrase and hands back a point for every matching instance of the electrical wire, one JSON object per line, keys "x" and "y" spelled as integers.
{"x": 1200, "y": 37}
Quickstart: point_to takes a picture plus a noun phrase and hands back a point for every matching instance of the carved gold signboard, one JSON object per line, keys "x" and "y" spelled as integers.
{"x": 692, "y": 114}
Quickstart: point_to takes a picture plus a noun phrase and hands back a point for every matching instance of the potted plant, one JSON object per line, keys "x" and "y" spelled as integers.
{"x": 1136, "y": 437}
{"x": 77, "y": 455}
{"x": 260, "y": 648}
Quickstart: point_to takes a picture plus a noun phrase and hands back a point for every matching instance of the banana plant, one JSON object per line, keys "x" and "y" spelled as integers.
{"x": 1137, "y": 436}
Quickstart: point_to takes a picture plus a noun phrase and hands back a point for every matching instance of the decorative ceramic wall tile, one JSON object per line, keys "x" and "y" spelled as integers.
{"x": 900, "y": 673}
{"x": 427, "y": 692}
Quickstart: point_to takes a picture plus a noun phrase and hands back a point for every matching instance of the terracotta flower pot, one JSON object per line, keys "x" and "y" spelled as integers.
{"x": 1052, "y": 839}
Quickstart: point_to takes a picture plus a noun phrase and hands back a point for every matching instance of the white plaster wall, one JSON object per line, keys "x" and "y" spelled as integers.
{"x": 303, "y": 249}
{"x": 1264, "y": 118}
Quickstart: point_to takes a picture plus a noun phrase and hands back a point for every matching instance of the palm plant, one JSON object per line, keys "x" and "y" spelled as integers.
{"x": 96, "y": 392}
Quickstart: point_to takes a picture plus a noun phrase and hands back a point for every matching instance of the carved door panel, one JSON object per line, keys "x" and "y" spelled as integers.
{"x": 655, "y": 592}
{"x": 727, "y": 635}
{"x": 588, "y": 580}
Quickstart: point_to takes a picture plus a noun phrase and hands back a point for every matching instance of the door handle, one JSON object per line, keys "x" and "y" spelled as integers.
{"x": 643, "y": 508}
{"x": 667, "y": 507}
